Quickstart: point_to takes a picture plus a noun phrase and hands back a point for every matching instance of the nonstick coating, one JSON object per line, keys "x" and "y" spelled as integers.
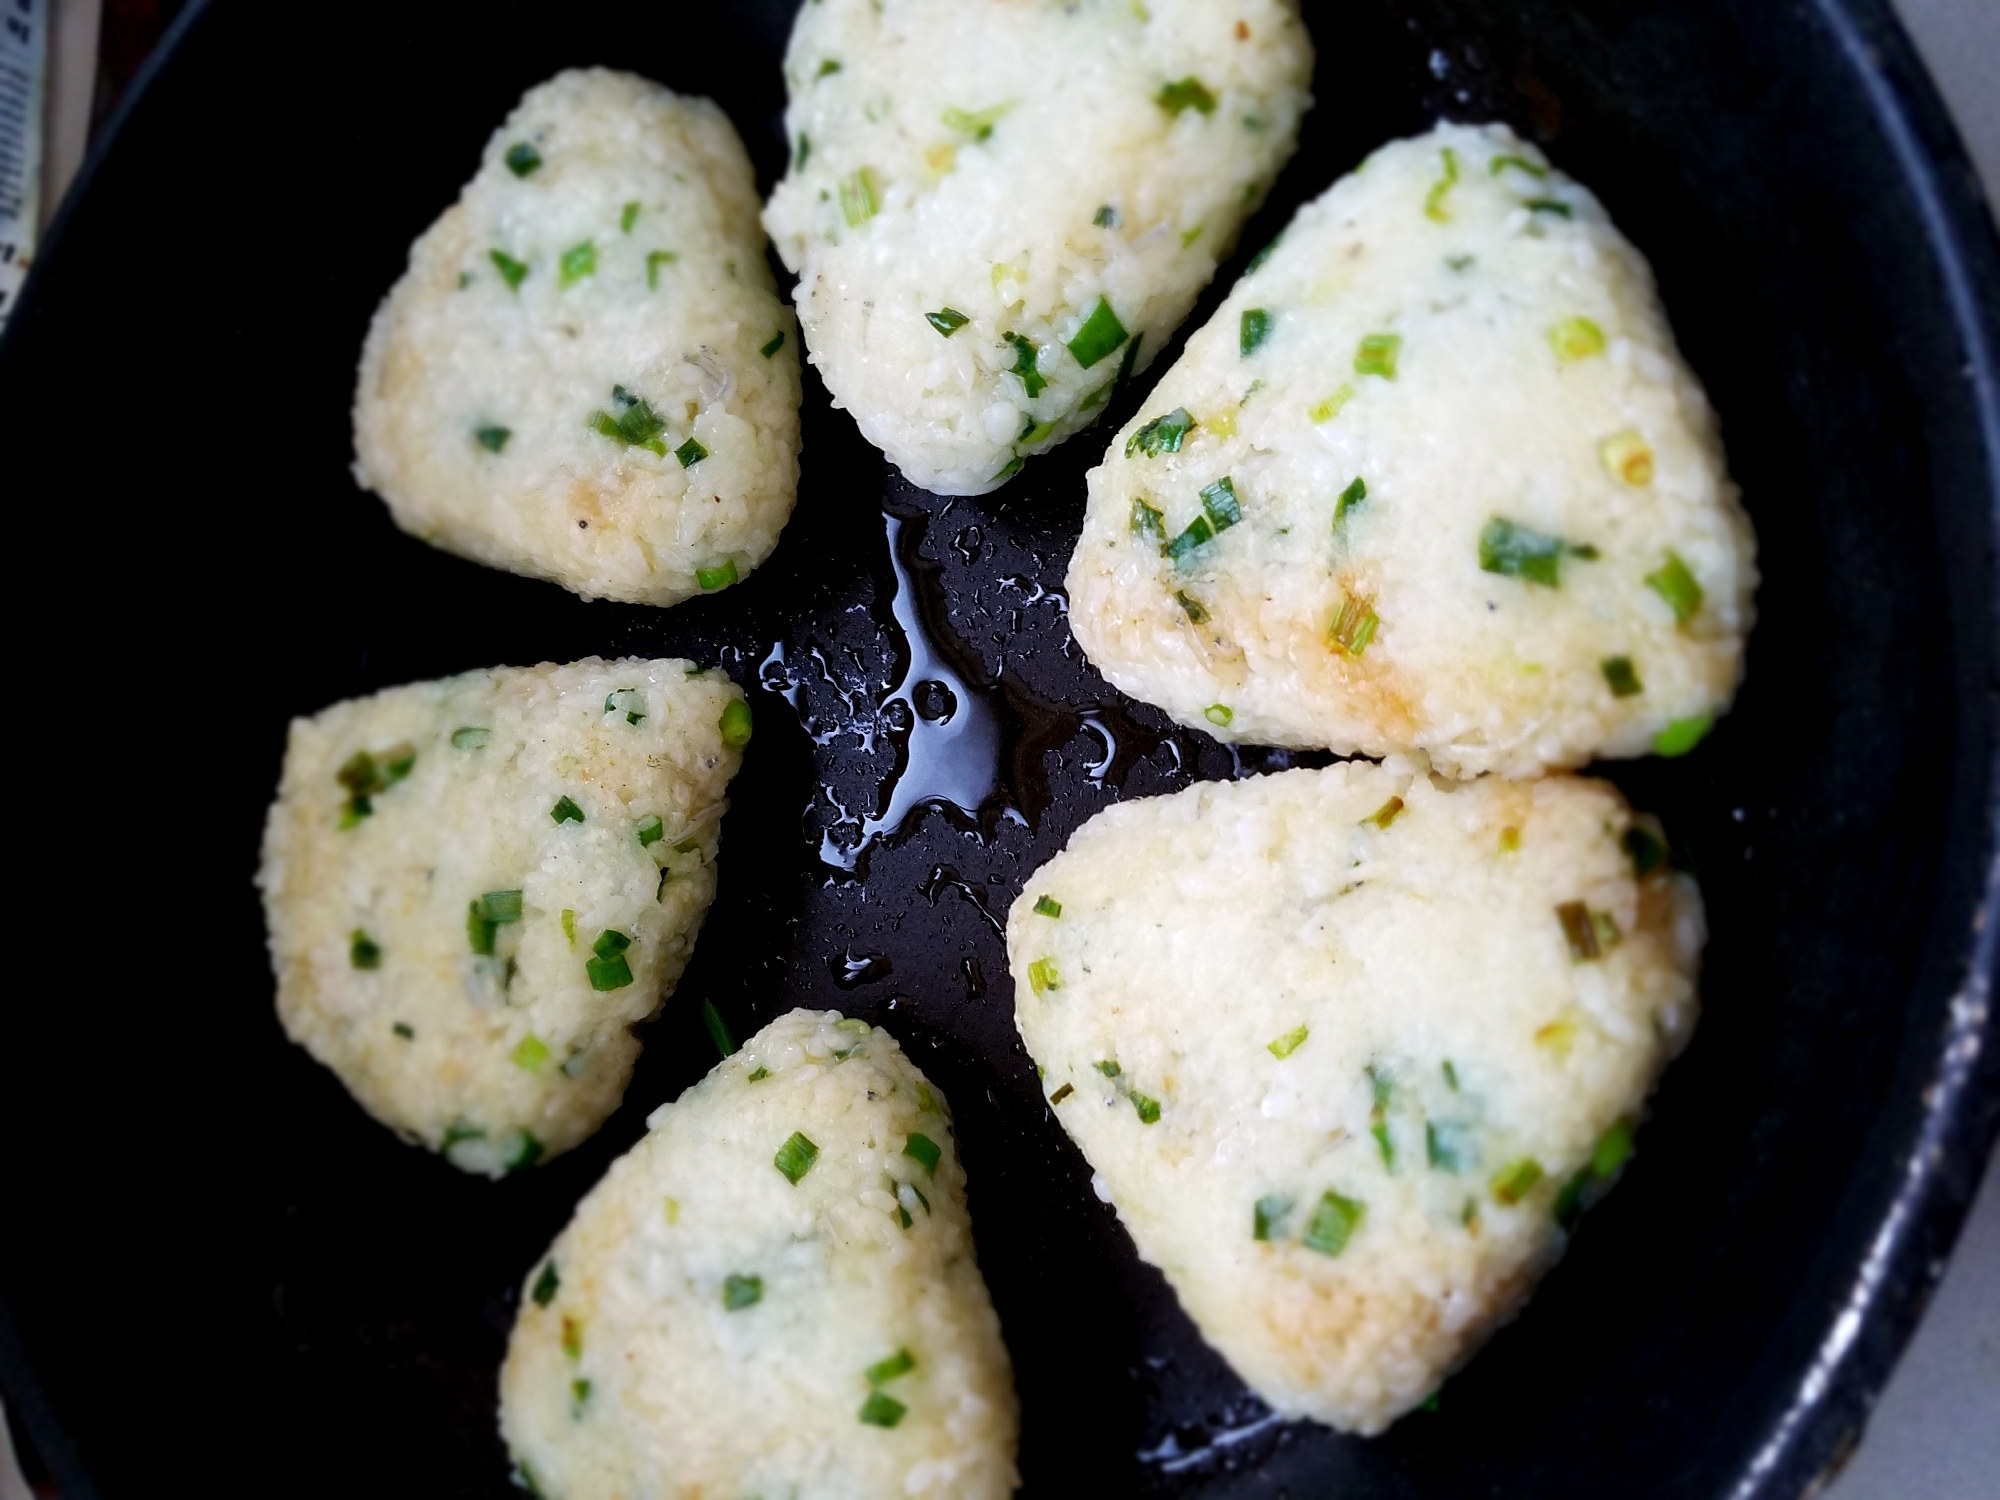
{"x": 222, "y": 1275}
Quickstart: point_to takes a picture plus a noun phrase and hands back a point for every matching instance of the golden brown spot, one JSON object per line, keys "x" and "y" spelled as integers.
{"x": 1242, "y": 31}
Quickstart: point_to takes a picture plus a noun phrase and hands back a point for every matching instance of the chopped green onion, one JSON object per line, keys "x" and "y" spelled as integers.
{"x": 1510, "y": 840}
{"x": 860, "y": 197}
{"x": 1682, "y": 735}
{"x": 691, "y": 453}
{"x": 1062, "y": 1093}
{"x": 1254, "y": 328}
{"x": 470, "y": 737}
{"x": 1550, "y": 206}
{"x": 830, "y": 65}
{"x": 718, "y": 1029}
{"x": 884, "y": 1371}
{"x": 796, "y": 1157}
{"x": 609, "y": 969}
{"x": 1519, "y": 164}
{"x": 803, "y": 151}
{"x": 1032, "y": 381}
{"x": 757, "y": 1073}
{"x": 922, "y": 1150}
{"x": 363, "y": 951}
{"x": 1350, "y": 497}
{"x": 1450, "y": 1075}
{"x": 1447, "y": 1147}
{"x": 580, "y": 1391}
{"x": 463, "y": 1130}
{"x": 654, "y": 260}
{"x": 1582, "y": 931}
{"x": 1047, "y": 906}
{"x": 1516, "y": 551}
{"x": 882, "y": 1410}
{"x": 1106, "y": 217}
{"x": 354, "y": 810}
{"x": 522, "y": 158}
{"x": 1327, "y": 410}
{"x": 1196, "y": 612}
{"x": 569, "y": 925}
{"x": 404, "y": 1030}
{"x": 1033, "y": 432}
{"x": 1188, "y": 93}
{"x": 577, "y": 262}
{"x": 1646, "y": 852}
{"x": 1517, "y": 1179}
{"x": 947, "y": 320}
{"x": 547, "y": 1284}
{"x": 976, "y": 123}
{"x": 1161, "y": 435}
{"x": 719, "y": 577}
{"x": 1009, "y": 469}
{"x": 1677, "y": 585}
{"x": 739, "y": 1291}
{"x": 500, "y": 906}
{"x": 1257, "y": 260}
{"x": 1042, "y": 975}
{"x": 609, "y": 942}
{"x": 1613, "y": 1149}
{"x": 526, "y": 1151}
{"x": 1198, "y": 534}
{"x": 1289, "y": 1043}
{"x": 651, "y": 830}
{"x": 1353, "y": 625}
{"x": 1221, "y": 715}
{"x": 1268, "y": 1216}
{"x": 1380, "y": 1130}
{"x": 1576, "y": 338}
{"x": 1148, "y": 1108}
{"x": 1377, "y": 353}
{"x": 479, "y": 932}
{"x": 492, "y": 439}
{"x": 566, "y": 811}
{"x": 773, "y": 344}
{"x": 1108, "y": 1068}
{"x": 1333, "y": 1222}
{"x": 512, "y": 271}
{"x": 1219, "y": 500}
{"x": 1434, "y": 208}
{"x": 532, "y": 1052}
{"x": 735, "y": 724}
{"x": 1100, "y": 334}
{"x": 1622, "y": 677}
{"x": 1147, "y": 521}
{"x": 628, "y": 217}
{"x": 1627, "y": 456}
{"x": 1386, "y": 814}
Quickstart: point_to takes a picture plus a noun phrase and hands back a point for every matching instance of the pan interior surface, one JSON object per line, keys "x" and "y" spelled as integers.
{"x": 215, "y": 1265}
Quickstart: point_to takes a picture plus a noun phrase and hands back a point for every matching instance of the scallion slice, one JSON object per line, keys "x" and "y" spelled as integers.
{"x": 1289, "y": 1043}
{"x": 461, "y": 1129}
{"x": 1106, "y": 217}
{"x": 1646, "y": 852}
{"x": 628, "y": 217}
{"x": 718, "y": 1029}
{"x": 1062, "y": 1093}
{"x": 1621, "y": 676}
{"x": 1252, "y": 330}
{"x": 1099, "y": 336}
{"x": 1195, "y": 610}
{"x": 1555, "y": 206}
{"x": 524, "y": 1153}
{"x": 577, "y": 262}
{"x": 1032, "y": 381}
{"x": 1353, "y": 625}
{"x": 1517, "y": 1179}
{"x": 546, "y": 1285}
{"x": 1198, "y": 534}
{"x": 1257, "y": 260}
{"x": 1147, "y": 521}
{"x": 654, "y": 260}
{"x": 531, "y": 1053}
{"x": 1377, "y": 354}
{"x": 773, "y": 344}
{"x": 1267, "y": 1218}
{"x": 1500, "y": 164}
{"x": 512, "y": 271}
{"x": 740, "y": 1291}
{"x": 860, "y": 197}
{"x": 922, "y": 1150}
{"x": 691, "y": 453}
{"x": 470, "y": 737}
{"x": 1221, "y": 715}
{"x": 1327, "y": 410}
{"x": 479, "y": 932}
{"x": 651, "y": 830}
{"x": 566, "y": 811}
{"x": 1682, "y": 735}
{"x": 1386, "y": 814}
{"x": 718, "y": 577}
{"x": 1219, "y": 500}
{"x": 756, "y": 1074}
{"x": 1161, "y": 435}
{"x": 522, "y": 158}
{"x": 1516, "y": 551}
{"x": 1147, "y": 1107}
{"x": 1333, "y": 1223}
{"x": 735, "y": 724}
{"x": 404, "y": 1030}
{"x": 363, "y": 952}
{"x": 1674, "y": 583}
{"x": 1185, "y": 94}
{"x": 882, "y": 1410}
{"x": 1047, "y": 906}
{"x": 1042, "y": 975}
{"x": 1447, "y": 1147}
{"x": 492, "y": 439}
{"x": 569, "y": 925}
{"x": 1628, "y": 456}
{"x": 609, "y": 969}
{"x": 977, "y": 123}
{"x": 946, "y": 320}
{"x": 1434, "y": 208}
{"x": 796, "y": 1157}
{"x": 898, "y": 1364}
{"x": 1576, "y": 338}
{"x": 1579, "y": 931}
{"x": 1350, "y": 497}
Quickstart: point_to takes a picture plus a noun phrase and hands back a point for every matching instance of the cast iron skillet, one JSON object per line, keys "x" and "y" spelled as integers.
{"x": 220, "y": 1273}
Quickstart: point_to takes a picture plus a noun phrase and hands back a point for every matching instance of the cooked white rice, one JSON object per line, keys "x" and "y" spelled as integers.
{"x": 1017, "y": 165}
{"x": 1339, "y": 1060}
{"x": 773, "y": 1294}
{"x": 595, "y": 302}
{"x": 448, "y": 872}
{"x": 1459, "y": 331}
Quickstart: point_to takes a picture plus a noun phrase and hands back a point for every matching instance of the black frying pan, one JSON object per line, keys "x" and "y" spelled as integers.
{"x": 218, "y": 1272}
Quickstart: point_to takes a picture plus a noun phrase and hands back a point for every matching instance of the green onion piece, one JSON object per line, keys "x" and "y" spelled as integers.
{"x": 358, "y": 774}
{"x": 1676, "y": 584}
{"x": 1613, "y": 1150}
{"x": 547, "y": 1284}
{"x": 1221, "y": 715}
{"x": 527, "y": 1150}
{"x": 1447, "y": 1147}
{"x": 606, "y": 424}
{"x": 1350, "y": 497}
{"x": 1257, "y": 260}
{"x": 512, "y": 271}
{"x": 860, "y": 197}
{"x": 1198, "y": 534}
{"x": 1289, "y": 1043}
{"x": 1383, "y": 1144}
{"x": 1519, "y": 164}
{"x": 1033, "y": 432}
{"x": 1106, "y": 217}
{"x": 1629, "y": 457}
{"x": 1268, "y": 1216}
{"x": 735, "y": 724}
{"x": 569, "y": 925}
{"x": 691, "y": 453}
{"x": 1516, "y": 551}
{"x": 1386, "y": 814}
{"x": 1353, "y": 625}
{"x": 830, "y": 65}
{"x": 1148, "y": 1108}
{"x": 1333, "y": 1222}
{"x": 1101, "y": 334}
{"x": 1254, "y": 328}
{"x": 566, "y": 811}
{"x": 882, "y": 1410}
{"x": 532, "y": 1052}
{"x": 1062, "y": 1093}
{"x": 773, "y": 344}
{"x": 470, "y": 737}
{"x": 976, "y": 123}
{"x": 580, "y": 1390}
{"x": 1009, "y": 469}
{"x": 492, "y": 439}
{"x": 1377, "y": 355}
{"x": 363, "y": 951}
{"x": 718, "y": 1029}
{"x": 1047, "y": 906}
{"x": 1126, "y": 365}
{"x": 638, "y": 423}
{"x": 654, "y": 260}
{"x": 719, "y": 577}
{"x": 651, "y": 830}
{"x": 1042, "y": 975}
{"x": 947, "y": 320}
{"x": 522, "y": 158}
{"x": 1450, "y": 1075}
{"x": 500, "y": 906}
{"x": 1517, "y": 1179}
{"x": 610, "y": 941}
{"x": 463, "y": 1130}
{"x": 1434, "y": 208}
{"x": 796, "y": 1157}
{"x": 1576, "y": 338}
{"x": 1682, "y": 735}
{"x": 1197, "y": 614}
{"x": 922, "y": 1150}
{"x": 1550, "y": 206}
{"x": 884, "y": 1371}
{"x": 1219, "y": 500}
{"x": 739, "y": 1292}
{"x": 1646, "y": 852}
{"x": 1327, "y": 410}
{"x": 609, "y": 970}
{"x": 354, "y": 810}
{"x": 577, "y": 262}
{"x": 1108, "y": 1068}
{"x": 1188, "y": 93}
{"x": 1161, "y": 435}
{"x": 1381, "y": 1086}
{"x": 628, "y": 217}
{"x": 1622, "y": 677}
{"x": 1147, "y": 521}
{"x": 404, "y": 1030}
{"x": 1578, "y": 931}
{"x": 803, "y": 151}
{"x": 756, "y": 1073}
{"x": 1024, "y": 365}
{"x": 479, "y": 932}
